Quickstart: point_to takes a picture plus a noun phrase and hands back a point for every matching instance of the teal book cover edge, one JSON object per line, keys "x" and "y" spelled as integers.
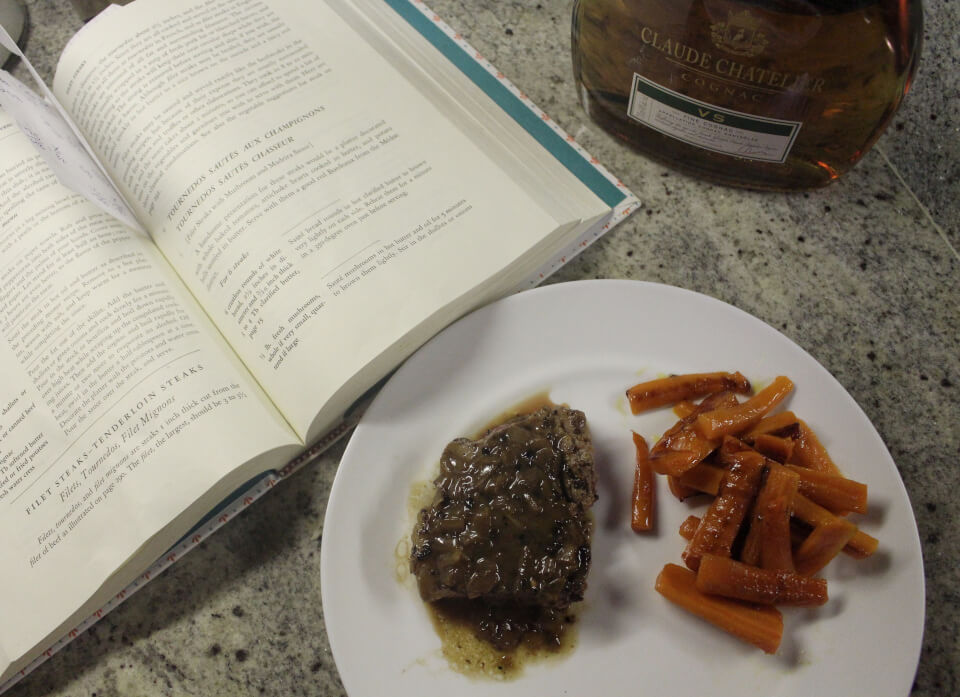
{"x": 522, "y": 110}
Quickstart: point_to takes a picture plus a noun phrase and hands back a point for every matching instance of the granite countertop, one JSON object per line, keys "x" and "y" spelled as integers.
{"x": 864, "y": 275}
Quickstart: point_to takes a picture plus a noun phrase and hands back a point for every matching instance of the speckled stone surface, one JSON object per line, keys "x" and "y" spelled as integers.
{"x": 924, "y": 140}
{"x": 864, "y": 275}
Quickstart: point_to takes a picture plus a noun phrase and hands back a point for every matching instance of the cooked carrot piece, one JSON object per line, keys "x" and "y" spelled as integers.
{"x": 730, "y": 420}
{"x": 715, "y": 401}
{"x": 726, "y": 454}
{"x": 809, "y": 452}
{"x": 675, "y": 449}
{"x": 657, "y": 393}
{"x": 775, "y": 505}
{"x": 684, "y": 408}
{"x": 681, "y": 447}
{"x": 643, "y": 503}
{"x": 680, "y": 491}
{"x": 798, "y": 533}
{"x": 860, "y": 545}
{"x": 733, "y": 579}
{"x": 768, "y": 541}
{"x": 835, "y": 493}
{"x": 702, "y": 478}
{"x": 689, "y": 526}
{"x": 822, "y": 545}
{"x": 674, "y": 462}
{"x": 731, "y": 453}
{"x": 761, "y": 626}
{"x": 750, "y": 549}
{"x": 782, "y": 424}
{"x": 774, "y": 447}
{"x": 720, "y": 524}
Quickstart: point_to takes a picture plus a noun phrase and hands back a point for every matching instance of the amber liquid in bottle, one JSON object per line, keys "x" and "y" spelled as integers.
{"x": 763, "y": 94}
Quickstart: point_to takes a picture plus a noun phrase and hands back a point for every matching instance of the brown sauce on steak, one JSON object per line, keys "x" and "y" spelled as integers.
{"x": 458, "y": 623}
{"x": 502, "y": 549}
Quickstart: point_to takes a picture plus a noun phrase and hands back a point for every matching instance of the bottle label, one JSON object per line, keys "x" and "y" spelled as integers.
{"x": 710, "y": 127}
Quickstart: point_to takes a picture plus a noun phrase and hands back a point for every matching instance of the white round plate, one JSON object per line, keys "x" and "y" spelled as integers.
{"x": 586, "y": 342}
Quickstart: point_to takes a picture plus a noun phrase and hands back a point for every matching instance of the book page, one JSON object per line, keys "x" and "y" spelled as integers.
{"x": 317, "y": 205}
{"x": 120, "y": 404}
{"x": 53, "y": 138}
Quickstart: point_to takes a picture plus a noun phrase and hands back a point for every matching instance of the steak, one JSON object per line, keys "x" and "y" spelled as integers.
{"x": 509, "y": 520}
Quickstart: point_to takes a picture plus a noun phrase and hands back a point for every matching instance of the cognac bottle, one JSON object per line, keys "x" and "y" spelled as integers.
{"x": 763, "y": 94}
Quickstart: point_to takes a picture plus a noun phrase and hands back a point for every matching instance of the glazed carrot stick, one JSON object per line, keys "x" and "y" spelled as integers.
{"x": 798, "y": 533}
{"x": 720, "y": 524}
{"x": 860, "y": 545}
{"x": 680, "y": 491}
{"x": 681, "y": 447}
{"x": 668, "y": 390}
{"x": 761, "y": 626}
{"x": 779, "y": 424}
{"x": 684, "y": 408}
{"x": 728, "y": 450}
{"x": 774, "y": 447}
{"x": 836, "y": 494}
{"x": 730, "y": 420}
{"x": 774, "y": 502}
{"x": 689, "y": 526}
{"x": 643, "y": 502}
{"x": 750, "y": 549}
{"x": 733, "y": 579}
{"x": 775, "y": 506}
{"x": 717, "y": 400}
{"x": 702, "y": 478}
{"x": 809, "y": 452}
{"x": 675, "y": 462}
{"x": 822, "y": 545}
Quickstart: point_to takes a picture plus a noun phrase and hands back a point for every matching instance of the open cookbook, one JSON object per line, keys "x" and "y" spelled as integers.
{"x": 253, "y": 212}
